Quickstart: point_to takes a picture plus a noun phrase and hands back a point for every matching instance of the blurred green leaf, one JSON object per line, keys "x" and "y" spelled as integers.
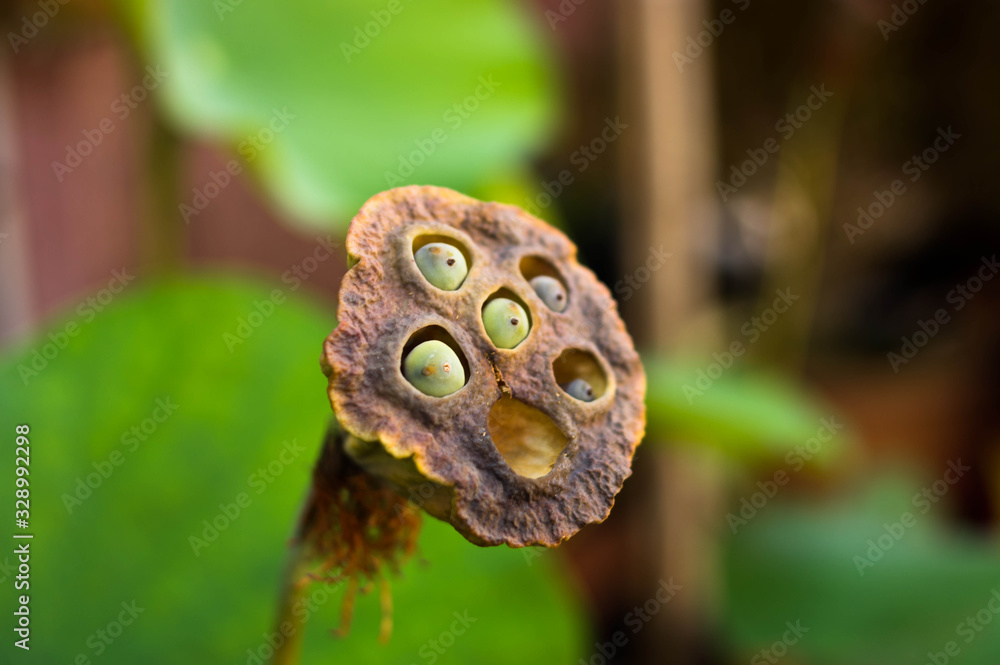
{"x": 379, "y": 92}
{"x": 798, "y": 563}
{"x": 745, "y": 414}
{"x": 151, "y": 490}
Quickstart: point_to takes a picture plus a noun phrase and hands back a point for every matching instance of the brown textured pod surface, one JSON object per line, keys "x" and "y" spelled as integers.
{"x": 510, "y": 457}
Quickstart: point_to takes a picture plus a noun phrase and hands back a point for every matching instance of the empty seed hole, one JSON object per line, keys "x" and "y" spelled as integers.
{"x": 575, "y": 365}
{"x": 439, "y": 334}
{"x": 529, "y": 440}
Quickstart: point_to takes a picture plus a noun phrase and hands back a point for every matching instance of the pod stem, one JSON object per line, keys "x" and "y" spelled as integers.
{"x": 296, "y": 576}
{"x": 351, "y": 526}
{"x": 291, "y": 624}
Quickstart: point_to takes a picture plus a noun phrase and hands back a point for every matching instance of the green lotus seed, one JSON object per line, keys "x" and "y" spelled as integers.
{"x": 579, "y": 389}
{"x": 551, "y": 291}
{"x": 442, "y": 264}
{"x": 434, "y": 369}
{"x": 506, "y": 322}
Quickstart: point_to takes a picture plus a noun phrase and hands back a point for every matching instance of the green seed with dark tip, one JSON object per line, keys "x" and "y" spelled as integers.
{"x": 551, "y": 291}
{"x": 434, "y": 369}
{"x": 580, "y": 389}
{"x": 506, "y": 323}
{"x": 442, "y": 264}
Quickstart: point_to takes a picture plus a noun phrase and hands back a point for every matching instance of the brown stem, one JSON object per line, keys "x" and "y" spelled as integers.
{"x": 351, "y": 526}
{"x": 295, "y": 578}
{"x": 289, "y": 623}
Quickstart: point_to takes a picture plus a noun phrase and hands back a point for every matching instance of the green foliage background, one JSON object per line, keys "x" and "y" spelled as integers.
{"x": 359, "y": 113}
{"x": 358, "y": 116}
{"x": 130, "y": 540}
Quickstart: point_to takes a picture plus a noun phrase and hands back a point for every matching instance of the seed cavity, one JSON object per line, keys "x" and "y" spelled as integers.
{"x": 551, "y": 291}
{"x": 442, "y": 261}
{"x": 546, "y": 281}
{"x": 434, "y": 363}
{"x": 505, "y": 320}
{"x": 579, "y": 389}
{"x": 580, "y": 375}
{"x": 529, "y": 440}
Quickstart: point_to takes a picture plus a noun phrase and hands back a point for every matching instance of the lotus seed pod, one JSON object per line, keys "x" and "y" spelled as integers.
{"x": 506, "y": 322}
{"x": 509, "y": 458}
{"x": 442, "y": 264}
{"x": 580, "y": 389}
{"x": 551, "y": 291}
{"x": 434, "y": 369}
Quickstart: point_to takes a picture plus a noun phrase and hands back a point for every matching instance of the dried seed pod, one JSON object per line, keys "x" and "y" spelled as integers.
{"x": 511, "y": 458}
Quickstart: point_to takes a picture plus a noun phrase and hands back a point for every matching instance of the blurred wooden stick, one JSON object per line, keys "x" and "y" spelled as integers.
{"x": 667, "y": 182}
